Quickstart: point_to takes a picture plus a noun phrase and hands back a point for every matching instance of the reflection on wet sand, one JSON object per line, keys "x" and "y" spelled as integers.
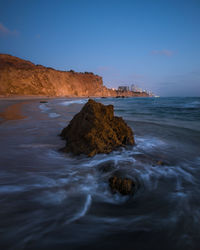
{"x": 13, "y": 112}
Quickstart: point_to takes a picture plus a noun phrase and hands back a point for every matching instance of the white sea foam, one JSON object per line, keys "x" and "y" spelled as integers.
{"x": 44, "y": 107}
{"x": 79, "y": 101}
{"x": 83, "y": 211}
{"x": 150, "y": 175}
{"x": 115, "y": 156}
{"x": 148, "y": 143}
{"x": 53, "y": 115}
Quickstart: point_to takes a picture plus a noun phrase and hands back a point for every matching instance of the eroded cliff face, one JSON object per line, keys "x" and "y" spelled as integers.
{"x": 21, "y": 77}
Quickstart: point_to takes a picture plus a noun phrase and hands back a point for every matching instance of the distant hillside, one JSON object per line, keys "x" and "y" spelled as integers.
{"x": 21, "y": 77}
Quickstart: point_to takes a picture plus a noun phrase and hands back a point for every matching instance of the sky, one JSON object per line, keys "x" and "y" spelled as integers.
{"x": 154, "y": 44}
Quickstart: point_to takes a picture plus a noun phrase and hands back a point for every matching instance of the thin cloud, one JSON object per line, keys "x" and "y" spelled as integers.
{"x": 163, "y": 52}
{"x": 6, "y": 32}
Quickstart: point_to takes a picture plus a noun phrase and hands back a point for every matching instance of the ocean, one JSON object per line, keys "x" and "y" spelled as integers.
{"x": 52, "y": 200}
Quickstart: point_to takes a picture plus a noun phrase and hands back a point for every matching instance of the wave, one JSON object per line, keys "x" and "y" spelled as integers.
{"x": 80, "y": 101}
{"x": 194, "y": 104}
{"x": 183, "y": 125}
{"x": 44, "y": 107}
{"x": 148, "y": 143}
{"x": 53, "y": 115}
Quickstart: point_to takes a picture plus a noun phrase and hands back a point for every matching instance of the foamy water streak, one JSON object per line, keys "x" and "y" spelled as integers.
{"x": 46, "y": 109}
{"x": 78, "y": 101}
{"x": 83, "y": 211}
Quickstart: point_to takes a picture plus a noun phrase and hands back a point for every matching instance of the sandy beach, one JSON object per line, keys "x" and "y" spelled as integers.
{"x": 55, "y": 200}
{"x": 15, "y": 107}
{"x": 13, "y": 112}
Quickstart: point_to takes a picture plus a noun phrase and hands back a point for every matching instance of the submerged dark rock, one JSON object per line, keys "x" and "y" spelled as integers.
{"x": 124, "y": 186}
{"x": 95, "y": 130}
{"x": 161, "y": 163}
{"x": 106, "y": 167}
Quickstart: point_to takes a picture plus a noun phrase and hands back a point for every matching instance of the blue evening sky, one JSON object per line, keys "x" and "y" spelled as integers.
{"x": 154, "y": 43}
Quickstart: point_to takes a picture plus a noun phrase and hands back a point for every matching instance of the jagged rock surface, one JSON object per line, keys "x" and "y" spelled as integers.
{"x": 95, "y": 130}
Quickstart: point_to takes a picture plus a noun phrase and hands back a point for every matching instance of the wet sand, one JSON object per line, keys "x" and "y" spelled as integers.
{"x": 13, "y": 112}
{"x": 24, "y": 97}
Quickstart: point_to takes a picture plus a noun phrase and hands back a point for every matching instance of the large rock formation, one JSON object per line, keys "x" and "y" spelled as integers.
{"x": 21, "y": 77}
{"x": 95, "y": 130}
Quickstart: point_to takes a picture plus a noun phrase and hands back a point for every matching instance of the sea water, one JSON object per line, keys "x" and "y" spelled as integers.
{"x": 51, "y": 200}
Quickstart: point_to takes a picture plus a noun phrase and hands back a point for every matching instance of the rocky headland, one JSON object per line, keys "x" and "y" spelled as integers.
{"x": 21, "y": 77}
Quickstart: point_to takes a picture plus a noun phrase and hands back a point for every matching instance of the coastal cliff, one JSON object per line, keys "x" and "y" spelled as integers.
{"x": 21, "y": 77}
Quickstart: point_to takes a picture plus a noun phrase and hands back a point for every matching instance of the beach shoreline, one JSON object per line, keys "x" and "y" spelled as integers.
{"x": 31, "y": 97}
{"x": 44, "y": 186}
{"x": 13, "y": 112}
{"x": 22, "y": 107}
